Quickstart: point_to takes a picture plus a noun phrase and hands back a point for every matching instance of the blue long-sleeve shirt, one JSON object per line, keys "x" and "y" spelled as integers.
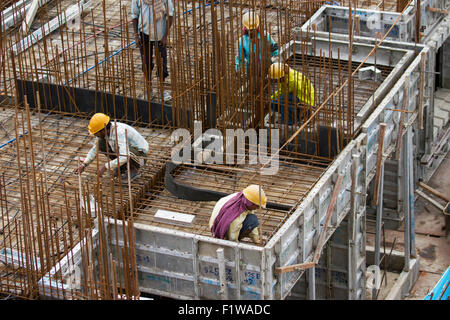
{"x": 243, "y": 49}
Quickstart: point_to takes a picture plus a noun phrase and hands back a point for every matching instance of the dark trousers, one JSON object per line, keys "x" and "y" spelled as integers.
{"x": 147, "y": 49}
{"x": 293, "y": 115}
{"x": 104, "y": 148}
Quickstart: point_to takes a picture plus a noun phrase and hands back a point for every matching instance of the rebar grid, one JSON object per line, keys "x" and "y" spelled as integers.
{"x": 48, "y": 196}
{"x": 40, "y": 164}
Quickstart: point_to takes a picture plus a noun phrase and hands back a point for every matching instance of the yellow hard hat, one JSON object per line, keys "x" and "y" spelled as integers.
{"x": 250, "y": 20}
{"x": 276, "y": 70}
{"x": 252, "y": 194}
{"x": 98, "y": 122}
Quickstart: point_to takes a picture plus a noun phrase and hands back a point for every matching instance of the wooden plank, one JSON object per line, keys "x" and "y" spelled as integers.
{"x": 300, "y": 266}
{"x": 434, "y": 191}
{"x": 171, "y": 217}
{"x": 432, "y": 201}
{"x": 320, "y": 243}
{"x": 437, "y": 10}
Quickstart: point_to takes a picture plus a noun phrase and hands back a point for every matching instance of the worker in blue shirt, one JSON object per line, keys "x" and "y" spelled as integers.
{"x": 251, "y": 33}
{"x": 255, "y": 53}
{"x": 151, "y": 33}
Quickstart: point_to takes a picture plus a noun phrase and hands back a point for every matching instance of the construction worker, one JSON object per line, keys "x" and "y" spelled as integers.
{"x": 231, "y": 218}
{"x": 251, "y": 34}
{"x": 298, "y": 89}
{"x": 105, "y": 130}
{"x": 151, "y": 34}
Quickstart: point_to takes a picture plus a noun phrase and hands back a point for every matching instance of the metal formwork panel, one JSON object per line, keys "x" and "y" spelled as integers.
{"x": 182, "y": 265}
{"x": 65, "y": 279}
{"x": 186, "y": 266}
{"x": 340, "y": 273}
{"x": 297, "y": 238}
{"x": 333, "y": 274}
{"x": 371, "y": 22}
{"x": 386, "y": 56}
{"x": 433, "y": 41}
{"x": 396, "y": 56}
{"x": 334, "y": 19}
{"x": 430, "y": 19}
{"x": 387, "y": 112}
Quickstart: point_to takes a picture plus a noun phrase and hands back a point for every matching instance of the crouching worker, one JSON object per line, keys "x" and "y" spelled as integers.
{"x": 231, "y": 218}
{"x": 297, "y": 87}
{"x": 105, "y": 131}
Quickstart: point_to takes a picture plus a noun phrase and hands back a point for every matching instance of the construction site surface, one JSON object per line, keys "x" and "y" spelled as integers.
{"x": 345, "y": 164}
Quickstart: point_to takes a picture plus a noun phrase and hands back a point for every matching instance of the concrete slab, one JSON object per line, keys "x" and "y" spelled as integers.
{"x": 441, "y": 93}
{"x": 386, "y": 286}
{"x": 447, "y": 98}
{"x": 425, "y": 283}
{"x": 429, "y": 219}
{"x": 441, "y": 178}
{"x": 433, "y": 251}
{"x": 442, "y": 104}
{"x": 405, "y": 281}
{"x": 438, "y": 122}
{"x": 435, "y": 132}
{"x": 438, "y": 102}
{"x": 441, "y": 113}
{"x": 441, "y": 182}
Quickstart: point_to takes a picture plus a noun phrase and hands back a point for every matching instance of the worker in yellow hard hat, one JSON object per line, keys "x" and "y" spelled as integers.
{"x": 296, "y": 86}
{"x": 231, "y": 218}
{"x": 249, "y": 44}
{"x": 105, "y": 131}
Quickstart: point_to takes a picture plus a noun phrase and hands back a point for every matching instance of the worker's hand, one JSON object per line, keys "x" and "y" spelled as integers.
{"x": 257, "y": 241}
{"x": 80, "y": 169}
{"x": 137, "y": 40}
{"x": 101, "y": 171}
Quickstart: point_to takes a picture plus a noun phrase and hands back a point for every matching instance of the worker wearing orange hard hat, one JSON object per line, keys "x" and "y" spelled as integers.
{"x": 232, "y": 217}
{"x": 105, "y": 131}
{"x": 293, "y": 84}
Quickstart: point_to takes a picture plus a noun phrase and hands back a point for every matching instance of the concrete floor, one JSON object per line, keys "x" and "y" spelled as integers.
{"x": 386, "y": 285}
{"x": 432, "y": 238}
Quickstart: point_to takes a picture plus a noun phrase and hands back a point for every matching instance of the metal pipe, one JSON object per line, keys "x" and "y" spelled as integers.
{"x": 411, "y": 201}
{"x": 406, "y": 202}
{"x": 312, "y": 283}
{"x": 222, "y": 274}
{"x": 378, "y": 226}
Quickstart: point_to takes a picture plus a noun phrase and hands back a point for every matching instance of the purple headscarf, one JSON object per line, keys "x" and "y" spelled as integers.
{"x": 230, "y": 211}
